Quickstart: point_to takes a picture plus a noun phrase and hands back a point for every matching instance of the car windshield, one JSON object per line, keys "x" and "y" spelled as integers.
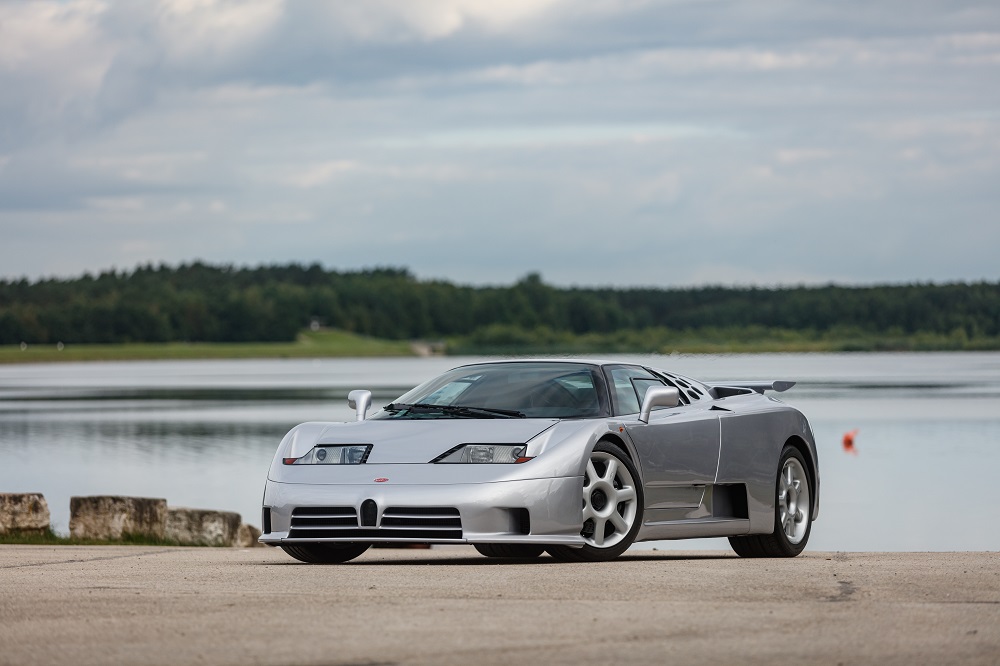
{"x": 504, "y": 390}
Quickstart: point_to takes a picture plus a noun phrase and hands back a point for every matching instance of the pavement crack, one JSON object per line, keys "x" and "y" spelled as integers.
{"x": 84, "y": 559}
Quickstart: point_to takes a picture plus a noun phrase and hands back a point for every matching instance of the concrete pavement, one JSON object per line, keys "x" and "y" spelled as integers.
{"x": 149, "y": 605}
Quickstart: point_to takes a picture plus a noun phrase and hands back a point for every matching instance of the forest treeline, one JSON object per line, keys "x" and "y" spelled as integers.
{"x": 204, "y": 303}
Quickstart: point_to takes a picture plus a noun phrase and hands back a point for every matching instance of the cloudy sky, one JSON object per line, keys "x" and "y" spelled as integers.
{"x": 598, "y": 142}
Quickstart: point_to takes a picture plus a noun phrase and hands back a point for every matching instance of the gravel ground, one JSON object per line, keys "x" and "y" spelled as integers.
{"x": 148, "y": 605}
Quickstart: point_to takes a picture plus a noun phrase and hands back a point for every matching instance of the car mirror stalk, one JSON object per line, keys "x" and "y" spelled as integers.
{"x": 658, "y": 396}
{"x": 359, "y": 401}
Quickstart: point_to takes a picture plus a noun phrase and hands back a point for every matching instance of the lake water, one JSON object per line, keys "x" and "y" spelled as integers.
{"x": 202, "y": 433}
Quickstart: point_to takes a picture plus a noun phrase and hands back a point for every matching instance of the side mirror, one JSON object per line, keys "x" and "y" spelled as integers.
{"x": 658, "y": 396}
{"x": 359, "y": 401}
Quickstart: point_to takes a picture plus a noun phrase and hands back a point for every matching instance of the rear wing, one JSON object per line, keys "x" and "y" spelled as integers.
{"x": 758, "y": 386}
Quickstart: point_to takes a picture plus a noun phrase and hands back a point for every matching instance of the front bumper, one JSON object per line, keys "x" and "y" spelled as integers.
{"x": 490, "y": 512}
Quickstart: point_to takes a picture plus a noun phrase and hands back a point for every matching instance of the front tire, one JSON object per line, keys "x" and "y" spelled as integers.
{"x": 612, "y": 507}
{"x": 792, "y": 512}
{"x": 325, "y": 553}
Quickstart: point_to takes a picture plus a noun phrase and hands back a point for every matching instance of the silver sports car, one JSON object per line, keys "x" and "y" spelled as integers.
{"x": 576, "y": 458}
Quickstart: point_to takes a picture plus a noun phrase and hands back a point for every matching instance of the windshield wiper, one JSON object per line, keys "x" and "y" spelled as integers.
{"x": 509, "y": 413}
{"x": 457, "y": 410}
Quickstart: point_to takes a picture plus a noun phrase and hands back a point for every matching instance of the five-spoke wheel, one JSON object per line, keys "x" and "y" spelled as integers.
{"x": 792, "y": 513}
{"x": 793, "y": 500}
{"x": 612, "y": 507}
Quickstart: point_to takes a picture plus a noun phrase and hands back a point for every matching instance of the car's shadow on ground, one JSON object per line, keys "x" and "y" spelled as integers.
{"x": 462, "y": 560}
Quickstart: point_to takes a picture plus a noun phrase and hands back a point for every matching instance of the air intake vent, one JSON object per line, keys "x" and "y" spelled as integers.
{"x": 522, "y": 521}
{"x": 318, "y": 521}
{"x": 439, "y": 522}
{"x": 369, "y": 513}
{"x": 398, "y": 523}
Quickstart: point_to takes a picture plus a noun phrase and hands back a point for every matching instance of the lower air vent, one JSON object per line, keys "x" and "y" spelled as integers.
{"x": 317, "y": 522}
{"x": 522, "y": 521}
{"x": 435, "y": 522}
{"x": 409, "y": 523}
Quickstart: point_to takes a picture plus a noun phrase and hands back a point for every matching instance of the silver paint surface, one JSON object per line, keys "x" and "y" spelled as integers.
{"x": 682, "y": 454}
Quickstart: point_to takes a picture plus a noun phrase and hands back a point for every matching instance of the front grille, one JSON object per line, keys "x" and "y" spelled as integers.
{"x": 325, "y": 515}
{"x": 435, "y": 522}
{"x": 412, "y": 523}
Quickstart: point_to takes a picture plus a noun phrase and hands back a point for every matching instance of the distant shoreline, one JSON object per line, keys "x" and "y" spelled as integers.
{"x": 324, "y": 344}
{"x": 342, "y": 344}
{"x": 164, "y": 312}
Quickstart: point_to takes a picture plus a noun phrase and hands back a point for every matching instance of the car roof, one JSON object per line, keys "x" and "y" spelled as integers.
{"x": 576, "y": 361}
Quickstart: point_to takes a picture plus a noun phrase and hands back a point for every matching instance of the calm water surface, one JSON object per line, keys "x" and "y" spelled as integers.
{"x": 202, "y": 433}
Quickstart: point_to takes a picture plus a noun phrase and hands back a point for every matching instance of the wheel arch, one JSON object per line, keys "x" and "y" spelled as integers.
{"x": 614, "y": 439}
{"x": 625, "y": 444}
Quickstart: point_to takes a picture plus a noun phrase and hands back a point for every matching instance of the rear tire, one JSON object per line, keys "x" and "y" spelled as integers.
{"x": 792, "y": 512}
{"x": 325, "y": 553}
{"x": 612, "y": 507}
{"x": 519, "y": 551}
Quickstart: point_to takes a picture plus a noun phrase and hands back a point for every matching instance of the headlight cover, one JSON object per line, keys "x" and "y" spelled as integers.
{"x": 484, "y": 454}
{"x": 338, "y": 454}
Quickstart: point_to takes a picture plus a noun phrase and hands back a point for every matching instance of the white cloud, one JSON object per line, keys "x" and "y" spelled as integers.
{"x": 145, "y": 168}
{"x": 52, "y": 62}
{"x": 391, "y": 20}
{"x": 801, "y": 155}
{"x": 320, "y": 174}
{"x": 116, "y": 204}
{"x": 191, "y": 30}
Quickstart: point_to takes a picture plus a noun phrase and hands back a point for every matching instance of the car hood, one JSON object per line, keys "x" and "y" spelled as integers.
{"x": 413, "y": 440}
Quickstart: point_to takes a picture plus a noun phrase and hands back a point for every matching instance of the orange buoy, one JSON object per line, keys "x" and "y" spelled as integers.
{"x": 849, "y": 442}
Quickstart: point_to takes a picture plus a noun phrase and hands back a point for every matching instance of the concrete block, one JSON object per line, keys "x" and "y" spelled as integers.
{"x": 23, "y": 512}
{"x": 203, "y": 527}
{"x": 109, "y": 517}
{"x": 248, "y": 536}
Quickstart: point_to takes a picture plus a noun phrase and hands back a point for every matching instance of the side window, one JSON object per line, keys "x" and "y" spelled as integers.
{"x": 642, "y": 385}
{"x": 630, "y": 385}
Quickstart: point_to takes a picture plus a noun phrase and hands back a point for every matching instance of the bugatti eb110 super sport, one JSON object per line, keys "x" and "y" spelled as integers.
{"x": 576, "y": 458}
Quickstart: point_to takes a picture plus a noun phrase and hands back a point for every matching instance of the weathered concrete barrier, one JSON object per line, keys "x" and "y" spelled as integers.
{"x": 248, "y": 537}
{"x": 203, "y": 527}
{"x": 109, "y": 517}
{"x": 23, "y": 512}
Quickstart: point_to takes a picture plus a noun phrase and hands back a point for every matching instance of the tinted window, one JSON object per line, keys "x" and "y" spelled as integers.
{"x": 544, "y": 390}
{"x": 629, "y": 385}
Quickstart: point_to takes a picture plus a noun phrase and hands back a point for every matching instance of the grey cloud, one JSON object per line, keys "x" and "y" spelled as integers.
{"x": 597, "y": 142}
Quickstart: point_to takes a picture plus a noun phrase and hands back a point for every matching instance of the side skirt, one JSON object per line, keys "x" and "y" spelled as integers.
{"x": 696, "y": 528}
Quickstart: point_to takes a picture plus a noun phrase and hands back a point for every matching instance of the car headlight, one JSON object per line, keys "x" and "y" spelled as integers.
{"x": 347, "y": 454}
{"x": 484, "y": 454}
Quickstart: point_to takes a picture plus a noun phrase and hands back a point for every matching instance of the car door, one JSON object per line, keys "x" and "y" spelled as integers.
{"x": 678, "y": 449}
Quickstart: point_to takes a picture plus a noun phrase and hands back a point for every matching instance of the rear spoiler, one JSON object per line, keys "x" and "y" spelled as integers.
{"x": 759, "y": 387}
